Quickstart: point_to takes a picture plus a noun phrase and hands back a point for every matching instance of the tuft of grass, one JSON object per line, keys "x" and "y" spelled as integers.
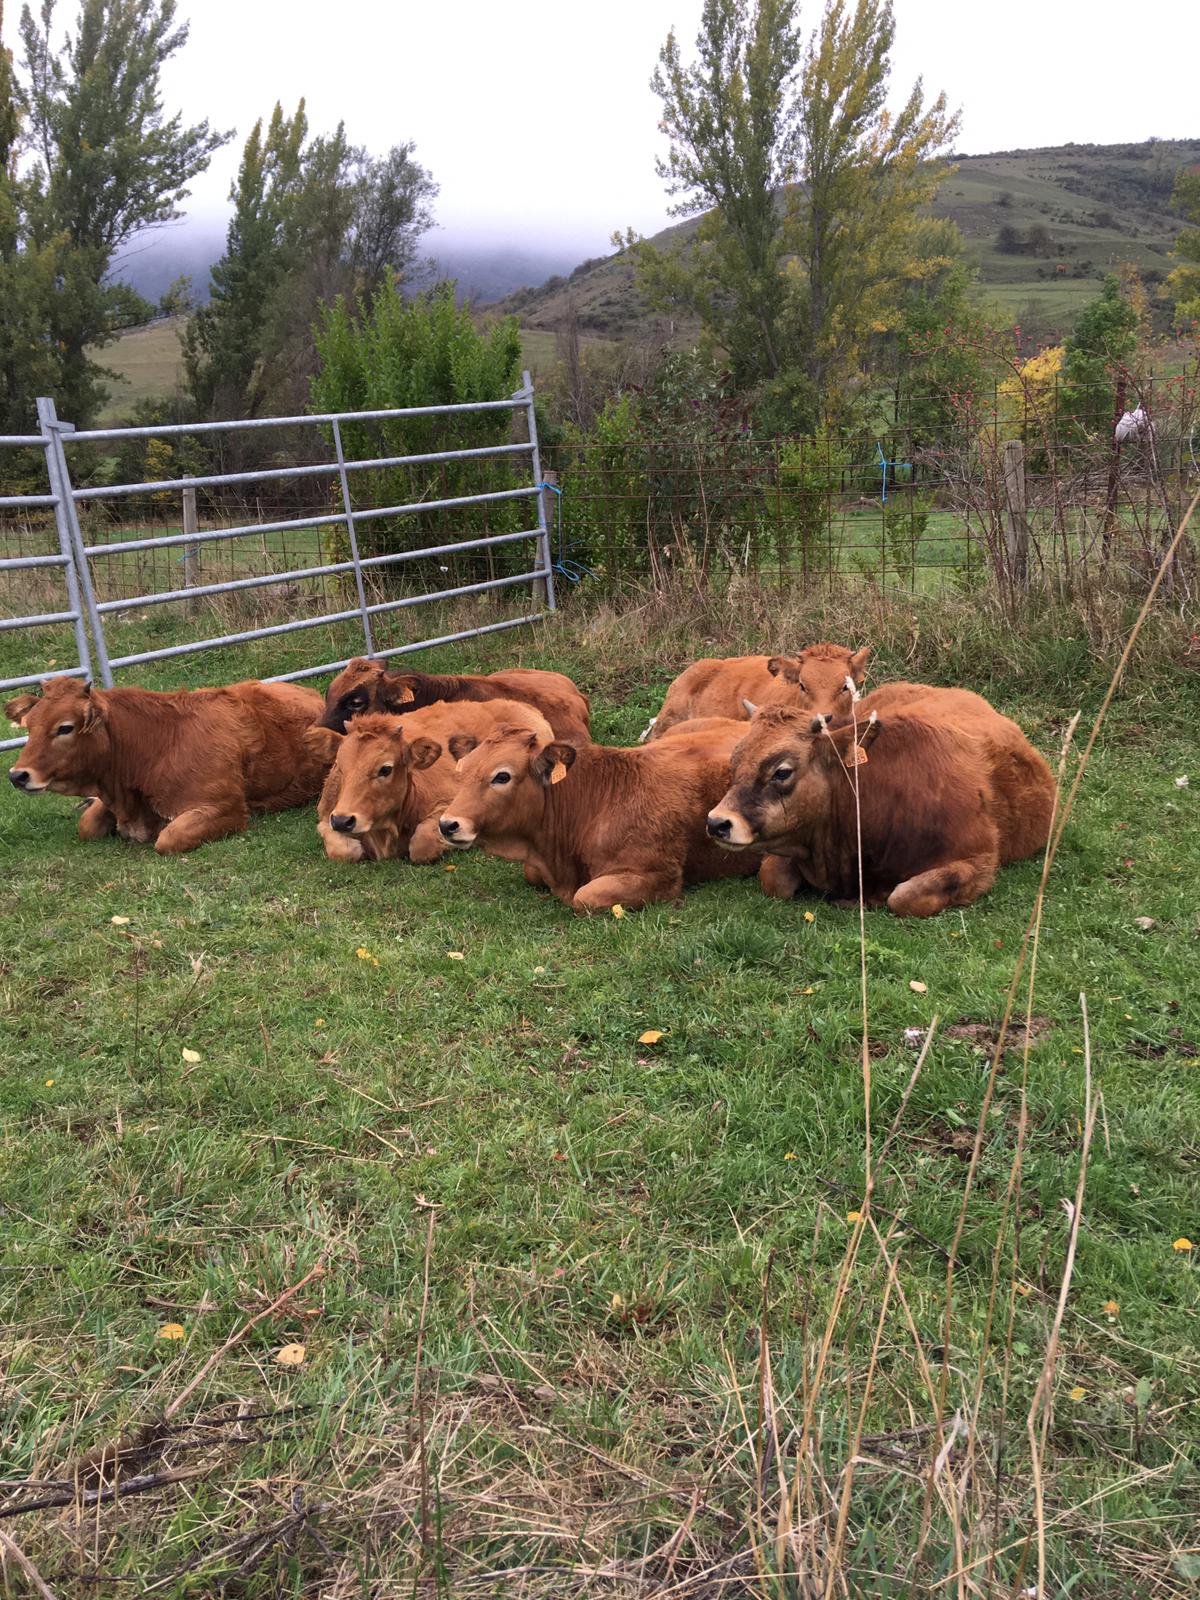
{"x": 621, "y": 1261}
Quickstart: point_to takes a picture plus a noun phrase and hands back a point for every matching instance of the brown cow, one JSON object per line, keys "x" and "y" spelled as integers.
{"x": 367, "y": 685}
{"x": 598, "y": 826}
{"x": 813, "y": 681}
{"x": 391, "y": 777}
{"x": 949, "y": 791}
{"x": 177, "y": 769}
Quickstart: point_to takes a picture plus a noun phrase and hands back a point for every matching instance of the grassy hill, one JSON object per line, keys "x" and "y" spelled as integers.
{"x": 1089, "y": 207}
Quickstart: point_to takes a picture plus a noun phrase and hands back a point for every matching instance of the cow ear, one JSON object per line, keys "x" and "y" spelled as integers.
{"x": 323, "y": 742}
{"x": 400, "y": 692}
{"x": 17, "y": 710}
{"x": 858, "y": 663}
{"x": 552, "y": 762}
{"x": 461, "y": 744}
{"x": 423, "y": 753}
{"x": 839, "y": 745}
{"x": 784, "y": 667}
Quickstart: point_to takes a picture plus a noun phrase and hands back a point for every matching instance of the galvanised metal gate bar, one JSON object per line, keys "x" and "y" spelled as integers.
{"x": 49, "y": 441}
{"x": 338, "y": 469}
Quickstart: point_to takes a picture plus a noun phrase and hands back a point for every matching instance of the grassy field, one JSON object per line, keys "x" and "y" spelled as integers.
{"x": 571, "y": 1332}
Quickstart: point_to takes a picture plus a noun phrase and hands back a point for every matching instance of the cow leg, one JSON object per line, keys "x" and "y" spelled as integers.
{"x": 956, "y": 883}
{"x": 427, "y": 843}
{"x": 781, "y": 877}
{"x": 96, "y": 821}
{"x": 533, "y": 876}
{"x": 629, "y": 889}
{"x": 200, "y": 825}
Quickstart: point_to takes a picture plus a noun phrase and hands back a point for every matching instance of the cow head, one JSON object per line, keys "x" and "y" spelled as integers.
{"x": 361, "y": 686}
{"x": 375, "y": 762}
{"x": 67, "y": 739}
{"x": 503, "y": 781}
{"x": 781, "y": 772}
{"x": 818, "y": 679}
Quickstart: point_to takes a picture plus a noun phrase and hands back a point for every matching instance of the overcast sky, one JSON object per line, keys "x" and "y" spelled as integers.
{"x": 537, "y": 119}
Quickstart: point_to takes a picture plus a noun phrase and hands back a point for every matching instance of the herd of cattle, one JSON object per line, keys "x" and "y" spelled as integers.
{"x": 771, "y": 766}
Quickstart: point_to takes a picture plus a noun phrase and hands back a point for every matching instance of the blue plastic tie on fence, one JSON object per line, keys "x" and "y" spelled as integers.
{"x": 572, "y": 571}
{"x": 884, "y": 465}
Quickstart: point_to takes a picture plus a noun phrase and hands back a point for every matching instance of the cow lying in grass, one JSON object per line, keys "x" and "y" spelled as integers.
{"x": 949, "y": 791}
{"x": 813, "y": 681}
{"x": 368, "y": 686}
{"x": 175, "y": 769}
{"x": 598, "y": 826}
{"x": 391, "y": 776}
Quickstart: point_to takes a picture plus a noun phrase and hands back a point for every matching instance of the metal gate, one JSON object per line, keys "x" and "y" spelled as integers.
{"x": 76, "y": 556}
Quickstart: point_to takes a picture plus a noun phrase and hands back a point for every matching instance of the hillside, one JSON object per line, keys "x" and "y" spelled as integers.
{"x": 1074, "y": 212}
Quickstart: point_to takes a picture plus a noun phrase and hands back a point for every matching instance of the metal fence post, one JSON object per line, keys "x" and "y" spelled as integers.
{"x": 79, "y": 578}
{"x": 191, "y": 552}
{"x": 353, "y": 538}
{"x": 542, "y": 588}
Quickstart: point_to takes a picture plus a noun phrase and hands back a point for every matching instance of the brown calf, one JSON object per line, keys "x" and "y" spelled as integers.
{"x": 949, "y": 791}
{"x": 174, "y": 769}
{"x": 391, "y": 776}
{"x": 598, "y": 826}
{"x": 366, "y": 685}
{"x": 813, "y": 681}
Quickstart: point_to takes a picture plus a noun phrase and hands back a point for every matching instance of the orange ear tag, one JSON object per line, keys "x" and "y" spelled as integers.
{"x": 858, "y": 758}
{"x": 558, "y": 772}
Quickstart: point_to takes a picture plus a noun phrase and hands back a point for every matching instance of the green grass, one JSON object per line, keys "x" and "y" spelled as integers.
{"x": 148, "y": 364}
{"x": 604, "y": 1213}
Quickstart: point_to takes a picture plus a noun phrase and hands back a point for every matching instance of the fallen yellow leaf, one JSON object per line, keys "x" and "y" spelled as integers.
{"x": 49, "y": 1083}
{"x": 789, "y": 1155}
{"x": 172, "y": 1330}
{"x": 854, "y": 1216}
{"x": 1024, "y": 1290}
{"x": 917, "y": 986}
{"x": 1111, "y": 1308}
{"x": 292, "y": 1355}
{"x": 1078, "y": 1392}
{"x": 651, "y": 1036}
{"x": 119, "y": 922}
{"x": 191, "y": 1056}
{"x": 618, "y": 911}
{"x": 1182, "y": 1244}
{"x": 809, "y": 917}
{"x": 449, "y": 867}
{"x": 810, "y": 990}
{"x": 617, "y": 1302}
{"x": 319, "y": 1023}
{"x": 455, "y": 955}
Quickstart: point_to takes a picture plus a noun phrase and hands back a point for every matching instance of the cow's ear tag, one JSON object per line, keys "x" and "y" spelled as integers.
{"x": 857, "y": 757}
{"x": 405, "y": 695}
{"x": 557, "y": 772}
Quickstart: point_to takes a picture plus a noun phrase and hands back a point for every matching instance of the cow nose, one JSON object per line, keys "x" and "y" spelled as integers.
{"x": 18, "y": 777}
{"x": 342, "y": 822}
{"x": 719, "y": 827}
{"x": 448, "y": 827}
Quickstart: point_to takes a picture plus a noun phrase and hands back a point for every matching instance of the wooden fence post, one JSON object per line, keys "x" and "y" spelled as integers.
{"x": 191, "y": 552}
{"x": 1016, "y": 525}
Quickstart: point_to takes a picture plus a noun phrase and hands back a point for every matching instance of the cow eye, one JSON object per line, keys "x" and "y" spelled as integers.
{"x": 385, "y": 771}
{"x": 502, "y": 777}
{"x": 65, "y": 727}
{"x": 782, "y": 774}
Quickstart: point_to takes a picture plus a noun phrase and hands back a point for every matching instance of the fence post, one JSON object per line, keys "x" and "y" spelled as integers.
{"x": 352, "y": 536}
{"x": 191, "y": 552}
{"x": 56, "y": 461}
{"x": 62, "y": 523}
{"x": 1016, "y": 525}
{"x": 542, "y": 588}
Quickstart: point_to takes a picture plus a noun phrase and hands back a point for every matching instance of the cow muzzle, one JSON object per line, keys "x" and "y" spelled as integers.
{"x": 343, "y": 822}
{"x": 728, "y": 830}
{"x": 21, "y": 778}
{"x": 456, "y": 833}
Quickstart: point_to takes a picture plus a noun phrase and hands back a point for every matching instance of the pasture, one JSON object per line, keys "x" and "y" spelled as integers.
{"x": 571, "y": 1329}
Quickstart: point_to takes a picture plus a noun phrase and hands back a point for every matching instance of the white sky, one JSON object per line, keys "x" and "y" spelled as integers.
{"x": 536, "y": 116}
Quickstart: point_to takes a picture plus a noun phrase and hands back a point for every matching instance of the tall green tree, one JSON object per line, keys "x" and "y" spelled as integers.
{"x": 811, "y": 191}
{"x": 1184, "y": 279}
{"x": 103, "y": 161}
{"x": 1098, "y": 349}
{"x": 313, "y": 219}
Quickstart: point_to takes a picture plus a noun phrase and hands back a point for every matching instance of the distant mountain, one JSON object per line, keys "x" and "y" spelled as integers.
{"x": 485, "y": 272}
{"x": 1069, "y": 215}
